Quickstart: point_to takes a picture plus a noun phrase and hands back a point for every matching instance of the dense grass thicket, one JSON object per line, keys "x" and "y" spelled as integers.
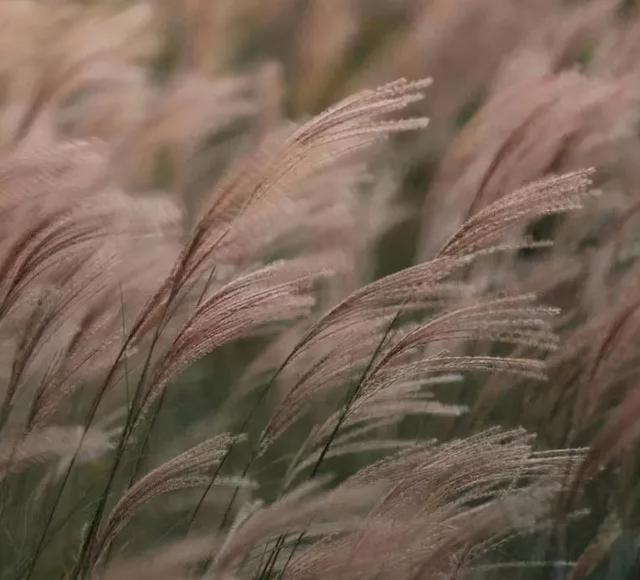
{"x": 262, "y": 319}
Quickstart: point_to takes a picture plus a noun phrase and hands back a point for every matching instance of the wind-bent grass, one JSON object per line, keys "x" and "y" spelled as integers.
{"x": 213, "y": 366}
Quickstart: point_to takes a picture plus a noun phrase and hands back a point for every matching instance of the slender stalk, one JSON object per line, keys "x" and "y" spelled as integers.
{"x": 124, "y": 439}
{"x": 154, "y": 416}
{"x": 351, "y": 397}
